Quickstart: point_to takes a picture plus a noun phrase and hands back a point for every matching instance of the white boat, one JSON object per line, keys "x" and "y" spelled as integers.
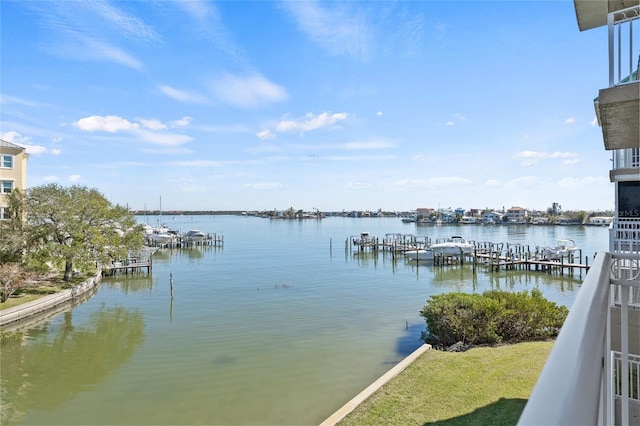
{"x": 194, "y": 236}
{"x": 160, "y": 238}
{"x": 420, "y": 254}
{"x": 563, "y": 248}
{"x": 454, "y": 246}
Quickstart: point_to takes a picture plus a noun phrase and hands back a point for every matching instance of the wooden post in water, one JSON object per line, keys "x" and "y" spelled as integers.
{"x": 171, "y": 283}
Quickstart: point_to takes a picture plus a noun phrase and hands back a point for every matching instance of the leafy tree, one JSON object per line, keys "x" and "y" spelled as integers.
{"x": 77, "y": 225}
{"x": 12, "y": 236}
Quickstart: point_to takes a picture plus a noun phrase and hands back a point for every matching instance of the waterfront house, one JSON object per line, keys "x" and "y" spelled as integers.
{"x": 592, "y": 375}
{"x": 491, "y": 218}
{"x": 517, "y": 215}
{"x": 13, "y": 172}
{"x": 600, "y": 220}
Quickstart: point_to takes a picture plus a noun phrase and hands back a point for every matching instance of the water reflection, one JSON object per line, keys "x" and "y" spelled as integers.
{"x": 130, "y": 283}
{"x": 55, "y": 363}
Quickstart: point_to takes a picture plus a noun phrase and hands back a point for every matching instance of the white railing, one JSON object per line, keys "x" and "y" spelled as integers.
{"x": 622, "y": 41}
{"x": 633, "y": 375}
{"x": 570, "y": 387}
{"x": 624, "y": 235}
{"x": 626, "y": 158}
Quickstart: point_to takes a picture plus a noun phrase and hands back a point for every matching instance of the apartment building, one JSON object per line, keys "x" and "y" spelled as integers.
{"x": 13, "y": 172}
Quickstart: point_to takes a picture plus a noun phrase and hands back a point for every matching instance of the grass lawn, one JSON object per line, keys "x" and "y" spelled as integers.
{"x": 43, "y": 287}
{"x": 481, "y": 386}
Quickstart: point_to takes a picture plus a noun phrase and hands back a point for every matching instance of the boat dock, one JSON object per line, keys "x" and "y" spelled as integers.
{"x": 496, "y": 256}
{"x": 178, "y": 241}
{"x": 137, "y": 262}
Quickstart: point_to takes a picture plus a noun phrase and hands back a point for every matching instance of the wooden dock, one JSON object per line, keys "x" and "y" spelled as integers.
{"x": 138, "y": 262}
{"x": 214, "y": 240}
{"x": 496, "y": 256}
{"x": 497, "y": 261}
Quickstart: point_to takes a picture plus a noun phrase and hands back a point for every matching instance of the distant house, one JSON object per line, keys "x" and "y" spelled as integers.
{"x": 13, "y": 172}
{"x": 517, "y": 215}
{"x": 490, "y": 218}
{"x": 600, "y": 220}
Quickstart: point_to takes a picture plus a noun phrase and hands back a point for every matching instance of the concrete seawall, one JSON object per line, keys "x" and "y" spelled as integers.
{"x": 366, "y": 393}
{"x": 16, "y": 316}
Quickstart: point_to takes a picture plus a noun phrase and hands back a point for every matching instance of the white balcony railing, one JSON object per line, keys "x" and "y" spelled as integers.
{"x": 633, "y": 375}
{"x": 567, "y": 391}
{"x": 624, "y": 46}
{"x": 624, "y": 235}
{"x": 626, "y": 158}
{"x": 592, "y": 375}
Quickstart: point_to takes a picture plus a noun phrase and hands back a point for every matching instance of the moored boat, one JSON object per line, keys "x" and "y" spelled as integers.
{"x": 563, "y": 248}
{"x": 420, "y": 254}
{"x": 194, "y": 236}
{"x": 454, "y": 246}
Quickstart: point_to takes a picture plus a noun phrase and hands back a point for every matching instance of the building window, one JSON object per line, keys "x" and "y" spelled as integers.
{"x": 6, "y": 186}
{"x": 4, "y": 213}
{"x": 635, "y": 157}
{"x": 629, "y": 199}
{"x": 6, "y": 161}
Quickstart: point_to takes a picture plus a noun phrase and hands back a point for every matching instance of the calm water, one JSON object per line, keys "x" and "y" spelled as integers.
{"x": 281, "y": 326}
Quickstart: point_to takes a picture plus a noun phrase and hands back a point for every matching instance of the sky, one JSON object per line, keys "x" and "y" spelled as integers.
{"x": 337, "y": 105}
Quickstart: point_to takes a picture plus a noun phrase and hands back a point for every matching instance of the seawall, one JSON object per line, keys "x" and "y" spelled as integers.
{"x": 47, "y": 305}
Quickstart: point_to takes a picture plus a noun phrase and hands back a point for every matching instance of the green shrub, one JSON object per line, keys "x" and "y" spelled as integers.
{"x": 490, "y": 318}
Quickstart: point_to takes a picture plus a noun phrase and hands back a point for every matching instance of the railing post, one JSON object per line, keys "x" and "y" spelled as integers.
{"x": 610, "y": 20}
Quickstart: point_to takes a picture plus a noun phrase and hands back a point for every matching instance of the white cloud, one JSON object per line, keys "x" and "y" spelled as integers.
{"x": 311, "y": 122}
{"x": 336, "y": 29}
{"x": 265, "y": 134}
{"x": 50, "y": 178}
{"x": 35, "y": 149}
{"x": 153, "y": 124}
{"x": 181, "y": 95}
{"x": 492, "y": 183}
{"x": 113, "y": 18}
{"x": 150, "y": 131}
{"x": 74, "y": 178}
{"x": 56, "y": 151}
{"x": 109, "y": 123}
{"x": 6, "y": 99}
{"x": 379, "y": 113}
{"x": 101, "y": 51}
{"x": 183, "y": 122}
{"x": 570, "y": 120}
{"x": 531, "y": 158}
{"x": 594, "y": 122}
{"x": 449, "y": 123}
{"x": 247, "y": 92}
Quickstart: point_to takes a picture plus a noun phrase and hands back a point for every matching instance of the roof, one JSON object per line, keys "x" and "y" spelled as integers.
{"x": 7, "y": 144}
{"x": 593, "y": 13}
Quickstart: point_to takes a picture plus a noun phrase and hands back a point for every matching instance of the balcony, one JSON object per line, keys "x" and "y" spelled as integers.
{"x": 592, "y": 375}
{"x": 626, "y": 165}
{"x": 617, "y": 107}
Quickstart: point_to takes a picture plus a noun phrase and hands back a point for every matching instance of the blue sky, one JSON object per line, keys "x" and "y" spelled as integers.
{"x": 330, "y": 105}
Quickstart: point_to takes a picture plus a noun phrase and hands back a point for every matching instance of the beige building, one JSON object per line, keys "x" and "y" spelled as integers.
{"x": 13, "y": 172}
{"x": 517, "y": 214}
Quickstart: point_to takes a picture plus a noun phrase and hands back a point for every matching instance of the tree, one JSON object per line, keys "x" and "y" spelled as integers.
{"x": 77, "y": 225}
{"x": 12, "y": 236}
{"x": 12, "y": 278}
